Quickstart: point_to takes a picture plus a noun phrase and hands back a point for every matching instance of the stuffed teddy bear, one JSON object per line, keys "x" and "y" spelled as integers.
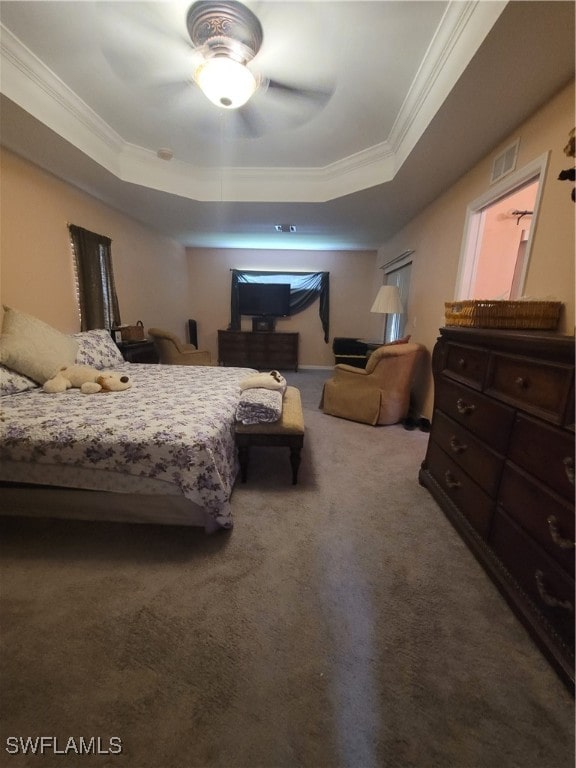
{"x": 88, "y": 380}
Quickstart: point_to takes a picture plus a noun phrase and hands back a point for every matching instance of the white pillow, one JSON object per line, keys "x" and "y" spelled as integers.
{"x": 272, "y": 380}
{"x": 97, "y": 349}
{"x": 33, "y": 348}
{"x": 11, "y": 383}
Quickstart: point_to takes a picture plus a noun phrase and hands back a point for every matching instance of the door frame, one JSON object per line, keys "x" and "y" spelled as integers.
{"x": 536, "y": 170}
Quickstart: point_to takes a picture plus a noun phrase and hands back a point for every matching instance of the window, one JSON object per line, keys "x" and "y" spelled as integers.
{"x": 395, "y": 324}
{"x": 95, "y": 287}
{"x": 397, "y": 272}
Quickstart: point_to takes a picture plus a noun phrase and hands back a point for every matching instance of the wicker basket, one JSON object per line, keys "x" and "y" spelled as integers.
{"x": 473, "y": 313}
{"x": 133, "y": 332}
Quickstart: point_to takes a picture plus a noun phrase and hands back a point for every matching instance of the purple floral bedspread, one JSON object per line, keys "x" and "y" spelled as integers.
{"x": 175, "y": 424}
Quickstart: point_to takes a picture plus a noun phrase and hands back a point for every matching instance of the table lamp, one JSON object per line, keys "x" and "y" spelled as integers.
{"x": 387, "y": 301}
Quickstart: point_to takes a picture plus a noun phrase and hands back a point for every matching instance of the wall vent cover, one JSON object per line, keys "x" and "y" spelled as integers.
{"x": 505, "y": 162}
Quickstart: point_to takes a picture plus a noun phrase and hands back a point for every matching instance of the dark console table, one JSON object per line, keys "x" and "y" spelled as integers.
{"x": 500, "y": 463}
{"x": 138, "y": 351}
{"x": 261, "y": 350}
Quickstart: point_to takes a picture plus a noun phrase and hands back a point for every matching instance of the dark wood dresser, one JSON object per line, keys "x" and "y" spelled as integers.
{"x": 258, "y": 349}
{"x": 500, "y": 462}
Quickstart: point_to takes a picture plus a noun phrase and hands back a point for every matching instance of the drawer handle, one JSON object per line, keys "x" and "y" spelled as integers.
{"x": 559, "y": 540}
{"x": 463, "y": 407}
{"x": 457, "y": 446}
{"x": 550, "y": 600}
{"x": 451, "y": 481}
{"x": 462, "y": 363}
{"x": 522, "y": 382}
{"x": 569, "y": 467}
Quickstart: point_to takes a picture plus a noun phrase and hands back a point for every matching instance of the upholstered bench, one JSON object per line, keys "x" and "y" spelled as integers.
{"x": 287, "y": 432}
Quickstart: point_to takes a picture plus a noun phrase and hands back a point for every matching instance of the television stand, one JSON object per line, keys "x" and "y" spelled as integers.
{"x": 263, "y": 351}
{"x": 263, "y": 324}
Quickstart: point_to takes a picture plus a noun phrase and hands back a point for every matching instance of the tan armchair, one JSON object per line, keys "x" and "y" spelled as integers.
{"x": 172, "y": 351}
{"x": 377, "y": 394}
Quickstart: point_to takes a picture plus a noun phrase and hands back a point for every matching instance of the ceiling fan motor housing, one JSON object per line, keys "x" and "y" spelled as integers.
{"x": 224, "y": 28}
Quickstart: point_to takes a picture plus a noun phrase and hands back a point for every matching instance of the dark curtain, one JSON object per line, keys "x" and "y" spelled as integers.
{"x": 305, "y": 288}
{"x": 96, "y": 290}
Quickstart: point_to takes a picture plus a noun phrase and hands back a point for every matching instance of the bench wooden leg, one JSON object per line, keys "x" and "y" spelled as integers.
{"x": 243, "y": 451}
{"x": 295, "y": 463}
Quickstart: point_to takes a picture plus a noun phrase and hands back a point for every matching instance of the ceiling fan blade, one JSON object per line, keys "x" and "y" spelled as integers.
{"x": 171, "y": 93}
{"x": 151, "y": 23}
{"x": 249, "y": 122}
{"x": 320, "y": 95}
{"x": 142, "y": 44}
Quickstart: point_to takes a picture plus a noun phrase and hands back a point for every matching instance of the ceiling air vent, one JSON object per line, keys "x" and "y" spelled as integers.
{"x": 505, "y": 162}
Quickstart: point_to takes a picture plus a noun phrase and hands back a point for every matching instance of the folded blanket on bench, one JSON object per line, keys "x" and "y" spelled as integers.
{"x": 259, "y": 405}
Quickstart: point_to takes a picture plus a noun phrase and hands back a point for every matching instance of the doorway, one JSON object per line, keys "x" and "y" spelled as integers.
{"x": 498, "y": 236}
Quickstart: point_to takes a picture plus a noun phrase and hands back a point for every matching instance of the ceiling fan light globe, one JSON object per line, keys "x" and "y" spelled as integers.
{"x": 226, "y": 83}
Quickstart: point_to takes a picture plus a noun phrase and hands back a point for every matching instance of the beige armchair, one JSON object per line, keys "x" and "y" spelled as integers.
{"x": 377, "y": 394}
{"x": 172, "y": 351}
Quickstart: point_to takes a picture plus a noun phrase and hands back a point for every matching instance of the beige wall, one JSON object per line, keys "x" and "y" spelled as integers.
{"x": 436, "y": 234}
{"x": 351, "y": 295}
{"x": 163, "y": 284}
{"x": 36, "y": 263}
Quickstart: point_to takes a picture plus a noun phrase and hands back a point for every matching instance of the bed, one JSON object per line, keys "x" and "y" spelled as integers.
{"x": 162, "y": 451}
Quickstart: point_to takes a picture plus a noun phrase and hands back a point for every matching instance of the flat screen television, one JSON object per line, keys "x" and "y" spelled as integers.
{"x": 264, "y": 299}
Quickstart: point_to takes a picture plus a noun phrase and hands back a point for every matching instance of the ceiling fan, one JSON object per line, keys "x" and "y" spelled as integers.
{"x": 226, "y": 37}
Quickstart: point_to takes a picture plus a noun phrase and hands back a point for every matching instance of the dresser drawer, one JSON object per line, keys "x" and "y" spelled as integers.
{"x": 476, "y": 459}
{"x": 550, "y": 588}
{"x": 476, "y": 506}
{"x": 546, "y": 517}
{"x": 489, "y": 420}
{"x": 500, "y": 463}
{"x": 545, "y": 452}
{"x": 466, "y": 364}
{"x": 535, "y": 386}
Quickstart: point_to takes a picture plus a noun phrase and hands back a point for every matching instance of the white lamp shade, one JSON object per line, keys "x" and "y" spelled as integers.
{"x": 388, "y": 301}
{"x": 226, "y": 82}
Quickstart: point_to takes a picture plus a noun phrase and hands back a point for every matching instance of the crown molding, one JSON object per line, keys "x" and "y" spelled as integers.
{"x": 460, "y": 33}
{"x": 27, "y": 81}
{"x": 284, "y": 185}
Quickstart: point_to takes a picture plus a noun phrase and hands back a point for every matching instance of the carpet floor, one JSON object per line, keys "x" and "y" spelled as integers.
{"x": 342, "y": 623}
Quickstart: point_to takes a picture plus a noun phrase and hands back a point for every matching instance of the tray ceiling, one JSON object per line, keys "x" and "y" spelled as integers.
{"x": 93, "y": 90}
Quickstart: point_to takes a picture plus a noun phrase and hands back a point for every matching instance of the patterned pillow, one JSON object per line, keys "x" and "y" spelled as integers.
{"x": 97, "y": 349}
{"x": 11, "y": 383}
